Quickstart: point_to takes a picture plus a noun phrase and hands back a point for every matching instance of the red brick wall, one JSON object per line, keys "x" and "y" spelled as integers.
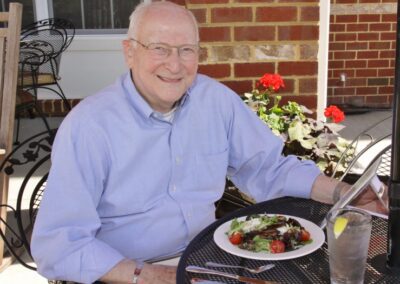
{"x": 362, "y": 46}
{"x": 243, "y": 39}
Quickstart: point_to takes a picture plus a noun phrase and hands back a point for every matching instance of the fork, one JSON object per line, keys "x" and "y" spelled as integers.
{"x": 252, "y": 270}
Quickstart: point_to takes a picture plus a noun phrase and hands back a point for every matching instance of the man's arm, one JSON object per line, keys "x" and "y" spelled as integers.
{"x": 323, "y": 190}
{"x": 123, "y": 272}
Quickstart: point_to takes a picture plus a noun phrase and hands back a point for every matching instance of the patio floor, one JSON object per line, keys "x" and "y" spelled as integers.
{"x": 16, "y": 273}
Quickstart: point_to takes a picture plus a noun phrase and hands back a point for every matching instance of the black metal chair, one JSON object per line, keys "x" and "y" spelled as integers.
{"x": 58, "y": 34}
{"x": 31, "y": 161}
{"x": 32, "y": 55}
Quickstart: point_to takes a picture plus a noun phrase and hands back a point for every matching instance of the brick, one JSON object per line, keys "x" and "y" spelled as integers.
{"x": 298, "y": 33}
{"x": 276, "y": 14}
{"x": 357, "y": 27}
{"x": 308, "y": 52}
{"x": 377, "y": 81}
{"x": 309, "y": 14}
{"x": 200, "y": 15}
{"x": 229, "y": 15}
{"x": 335, "y": 64}
{"x": 366, "y": 72}
{"x": 366, "y": 90}
{"x": 353, "y": 82}
{"x": 388, "y": 36}
{"x": 389, "y": 17}
{"x": 254, "y": 33}
{"x": 333, "y": 27}
{"x": 379, "y": 27}
{"x": 253, "y": 69}
{"x": 345, "y": 55}
{"x": 387, "y": 72}
{"x": 337, "y": 46}
{"x": 355, "y": 63}
{"x": 254, "y": 1}
{"x": 240, "y": 87}
{"x": 346, "y": 1}
{"x": 203, "y": 54}
{"x": 367, "y": 36}
{"x": 308, "y": 85}
{"x": 346, "y": 18}
{"x": 367, "y": 54}
{"x": 357, "y": 45}
{"x": 373, "y": 18}
{"x": 386, "y": 90}
{"x": 297, "y": 1}
{"x": 213, "y": 34}
{"x": 298, "y": 68}
{"x": 344, "y": 91}
{"x": 345, "y": 36}
{"x": 216, "y": 70}
{"x": 334, "y": 100}
{"x": 289, "y": 86}
{"x": 378, "y": 63}
{"x": 206, "y": 1}
{"x": 228, "y": 53}
{"x": 275, "y": 52}
{"x": 349, "y": 72}
{"x": 379, "y": 45}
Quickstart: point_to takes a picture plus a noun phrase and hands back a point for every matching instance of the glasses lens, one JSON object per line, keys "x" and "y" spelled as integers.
{"x": 159, "y": 49}
{"x": 188, "y": 52}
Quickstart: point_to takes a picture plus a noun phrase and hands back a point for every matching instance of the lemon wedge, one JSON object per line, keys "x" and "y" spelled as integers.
{"x": 339, "y": 226}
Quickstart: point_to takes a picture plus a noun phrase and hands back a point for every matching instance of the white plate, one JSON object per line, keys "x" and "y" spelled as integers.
{"x": 317, "y": 235}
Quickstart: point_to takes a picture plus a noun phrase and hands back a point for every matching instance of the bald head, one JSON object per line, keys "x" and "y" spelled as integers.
{"x": 154, "y": 10}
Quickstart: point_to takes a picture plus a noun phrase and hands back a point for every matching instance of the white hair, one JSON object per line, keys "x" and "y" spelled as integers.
{"x": 141, "y": 10}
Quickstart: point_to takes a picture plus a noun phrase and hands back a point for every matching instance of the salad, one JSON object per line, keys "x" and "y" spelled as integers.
{"x": 269, "y": 233}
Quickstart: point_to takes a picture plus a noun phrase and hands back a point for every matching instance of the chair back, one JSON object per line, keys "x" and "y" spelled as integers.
{"x": 59, "y": 33}
{"x": 9, "y": 53}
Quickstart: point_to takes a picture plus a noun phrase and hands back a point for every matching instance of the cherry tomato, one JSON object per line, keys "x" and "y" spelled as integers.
{"x": 277, "y": 246}
{"x": 236, "y": 238}
{"x": 304, "y": 236}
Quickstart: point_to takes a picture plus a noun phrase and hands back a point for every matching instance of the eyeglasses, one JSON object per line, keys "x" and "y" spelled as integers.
{"x": 187, "y": 52}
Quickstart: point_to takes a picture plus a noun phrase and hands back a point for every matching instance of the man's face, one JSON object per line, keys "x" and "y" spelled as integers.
{"x": 162, "y": 80}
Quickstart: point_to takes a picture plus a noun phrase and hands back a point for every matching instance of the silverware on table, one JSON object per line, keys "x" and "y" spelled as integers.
{"x": 204, "y": 281}
{"x": 252, "y": 270}
{"x": 198, "y": 269}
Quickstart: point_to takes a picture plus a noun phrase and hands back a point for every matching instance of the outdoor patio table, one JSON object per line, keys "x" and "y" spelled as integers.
{"x": 312, "y": 268}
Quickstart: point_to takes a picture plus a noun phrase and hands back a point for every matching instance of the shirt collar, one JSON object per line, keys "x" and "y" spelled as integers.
{"x": 139, "y": 102}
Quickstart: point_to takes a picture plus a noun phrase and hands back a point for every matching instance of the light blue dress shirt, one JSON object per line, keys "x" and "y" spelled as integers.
{"x": 126, "y": 184}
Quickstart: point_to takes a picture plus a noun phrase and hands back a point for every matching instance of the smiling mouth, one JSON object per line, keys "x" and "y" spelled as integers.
{"x": 169, "y": 80}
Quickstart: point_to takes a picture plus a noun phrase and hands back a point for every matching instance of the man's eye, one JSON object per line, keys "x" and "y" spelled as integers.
{"x": 188, "y": 50}
{"x": 160, "y": 49}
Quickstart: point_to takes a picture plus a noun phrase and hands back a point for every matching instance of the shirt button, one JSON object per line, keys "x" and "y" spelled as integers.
{"x": 173, "y": 188}
{"x": 178, "y": 160}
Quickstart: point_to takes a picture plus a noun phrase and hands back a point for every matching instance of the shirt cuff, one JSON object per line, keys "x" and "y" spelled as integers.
{"x": 300, "y": 180}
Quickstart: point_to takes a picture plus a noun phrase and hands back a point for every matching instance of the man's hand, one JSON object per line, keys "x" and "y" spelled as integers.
{"x": 368, "y": 200}
{"x": 324, "y": 187}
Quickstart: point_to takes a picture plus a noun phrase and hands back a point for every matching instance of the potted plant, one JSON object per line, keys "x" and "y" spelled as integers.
{"x": 305, "y": 137}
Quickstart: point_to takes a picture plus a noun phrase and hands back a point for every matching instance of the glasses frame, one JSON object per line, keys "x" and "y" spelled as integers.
{"x": 169, "y": 49}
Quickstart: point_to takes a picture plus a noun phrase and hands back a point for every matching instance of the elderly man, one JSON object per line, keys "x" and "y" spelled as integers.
{"x": 136, "y": 169}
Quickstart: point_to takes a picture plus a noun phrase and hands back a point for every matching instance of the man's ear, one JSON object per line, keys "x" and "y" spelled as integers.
{"x": 128, "y": 51}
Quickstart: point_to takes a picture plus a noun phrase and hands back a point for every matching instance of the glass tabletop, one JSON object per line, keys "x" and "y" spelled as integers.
{"x": 312, "y": 268}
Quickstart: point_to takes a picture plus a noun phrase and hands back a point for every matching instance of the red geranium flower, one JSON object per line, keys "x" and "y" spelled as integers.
{"x": 272, "y": 81}
{"x": 334, "y": 113}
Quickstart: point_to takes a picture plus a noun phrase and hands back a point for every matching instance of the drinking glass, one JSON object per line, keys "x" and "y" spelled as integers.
{"x": 348, "y": 243}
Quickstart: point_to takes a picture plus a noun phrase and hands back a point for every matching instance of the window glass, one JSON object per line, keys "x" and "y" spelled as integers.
{"x": 95, "y": 16}
{"x": 28, "y": 15}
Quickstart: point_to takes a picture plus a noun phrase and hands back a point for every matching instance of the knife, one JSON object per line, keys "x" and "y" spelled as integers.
{"x": 198, "y": 269}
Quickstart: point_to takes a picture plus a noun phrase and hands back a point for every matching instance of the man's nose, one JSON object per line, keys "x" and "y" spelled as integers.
{"x": 173, "y": 61}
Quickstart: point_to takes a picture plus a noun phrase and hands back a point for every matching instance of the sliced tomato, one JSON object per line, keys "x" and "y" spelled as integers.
{"x": 236, "y": 238}
{"x": 304, "y": 236}
{"x": 277, "y": 246}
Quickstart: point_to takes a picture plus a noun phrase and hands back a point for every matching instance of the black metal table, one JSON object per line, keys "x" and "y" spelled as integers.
{"x": 312, "y": 268}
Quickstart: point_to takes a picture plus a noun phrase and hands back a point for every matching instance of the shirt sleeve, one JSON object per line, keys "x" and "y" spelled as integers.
{"x": 256, "y": 163}
{"x": 64, "y": 244}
